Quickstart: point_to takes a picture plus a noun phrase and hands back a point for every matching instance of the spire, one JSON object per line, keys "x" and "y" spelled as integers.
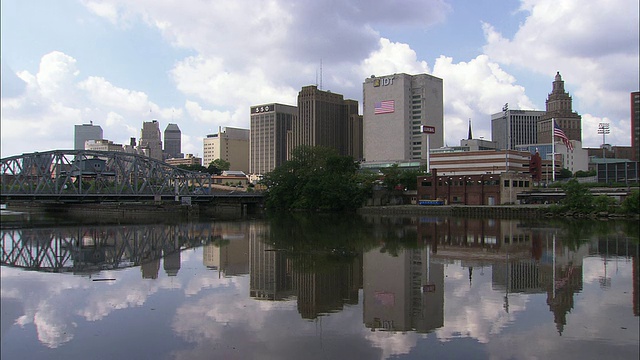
{"x": 470, "y": 136}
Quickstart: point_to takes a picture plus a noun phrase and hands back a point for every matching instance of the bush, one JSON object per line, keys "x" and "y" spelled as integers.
{"x": 630, "y": 204}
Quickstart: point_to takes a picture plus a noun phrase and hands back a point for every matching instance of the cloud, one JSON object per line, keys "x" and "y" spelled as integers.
{"x": 594, "y": 47}
{"x": 475, "y": 90}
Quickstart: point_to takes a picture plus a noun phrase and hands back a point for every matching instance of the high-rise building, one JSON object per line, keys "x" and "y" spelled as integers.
{"x": 511, "y": 128}
{"x": 268, "y": 136}
{"x": 635, "y": 124}
{"x": 559, "y": 108}
{"x": 229, "y": 144}
{"x": 150, "y": 139}
{"x": 86, "y": 132}
{"x": 395, "y": 107}
{"x": 173, "y": 142}
{"x": 323, "y": 119}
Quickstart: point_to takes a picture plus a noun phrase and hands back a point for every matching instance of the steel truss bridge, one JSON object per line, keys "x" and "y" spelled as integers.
{"x": 86, "y": 250}
{"x": 86, "y": 175}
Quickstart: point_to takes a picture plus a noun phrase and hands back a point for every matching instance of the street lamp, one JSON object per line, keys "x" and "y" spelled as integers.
{"x": 603, "y": 129}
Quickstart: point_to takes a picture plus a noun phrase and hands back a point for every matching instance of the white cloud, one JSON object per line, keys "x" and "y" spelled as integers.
{"x": 475, "y": 90}
{"x": 594, "y": 47}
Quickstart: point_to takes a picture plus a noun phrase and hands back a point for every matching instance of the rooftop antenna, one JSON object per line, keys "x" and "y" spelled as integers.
{"x": 320, "y": 73}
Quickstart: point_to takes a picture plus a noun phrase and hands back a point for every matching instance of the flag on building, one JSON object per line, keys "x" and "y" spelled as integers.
{"x": 384, "y": 107}
{"x": 557, "y": 131}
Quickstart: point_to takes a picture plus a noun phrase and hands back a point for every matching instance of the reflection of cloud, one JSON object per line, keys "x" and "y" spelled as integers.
{"x": 52, "y": 329}
{"x": 392, "y": 344}
{"x": 476, "y": 313}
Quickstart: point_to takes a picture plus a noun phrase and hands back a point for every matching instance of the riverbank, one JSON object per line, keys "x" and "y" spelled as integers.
{"x": 499, "y": 212}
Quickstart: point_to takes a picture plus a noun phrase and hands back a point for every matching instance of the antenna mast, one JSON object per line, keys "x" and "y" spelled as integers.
{"x": 320, "y": 73}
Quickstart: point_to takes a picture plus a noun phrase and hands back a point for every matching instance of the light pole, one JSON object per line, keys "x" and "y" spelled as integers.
{"x": 603, "y": 128}
{"x": 505, "y": 109}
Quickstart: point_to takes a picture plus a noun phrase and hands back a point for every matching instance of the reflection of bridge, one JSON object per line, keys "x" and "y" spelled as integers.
{"x": 85, "y": 175}
{"x": 92, "y": 249}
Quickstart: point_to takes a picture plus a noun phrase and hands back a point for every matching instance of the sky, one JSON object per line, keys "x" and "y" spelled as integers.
{"x": 202, "y": 64}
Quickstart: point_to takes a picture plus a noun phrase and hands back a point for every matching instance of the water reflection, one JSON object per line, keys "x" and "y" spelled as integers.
{"x": 370, "y": 286}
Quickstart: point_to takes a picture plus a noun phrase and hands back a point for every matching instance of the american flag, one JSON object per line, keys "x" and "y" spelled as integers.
{"x": 384, "y": 107}
{"x": 559, "y": 133}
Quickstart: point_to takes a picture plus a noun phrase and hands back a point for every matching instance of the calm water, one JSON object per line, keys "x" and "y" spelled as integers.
{"x": 323, "y": 287}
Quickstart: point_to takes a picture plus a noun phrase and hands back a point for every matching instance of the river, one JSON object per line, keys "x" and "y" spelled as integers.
{"x": 323, "y": 287}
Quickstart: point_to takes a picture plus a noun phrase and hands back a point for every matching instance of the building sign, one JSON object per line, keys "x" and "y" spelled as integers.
{"x": 377, "y": 82}
{"x": 262, "y": 109}
{"x": 428, "y": 129}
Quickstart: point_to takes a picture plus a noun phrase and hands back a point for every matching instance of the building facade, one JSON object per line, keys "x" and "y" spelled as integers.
{"x": 188, "y": 159}
{"x": 559, "y": 108}
{"x": 323, "y": 120}
{"x": 395, "y": 107}
{"x": 102, "y": 145}
{"x": 173, "y": 142}
{"x": 480, "y": 162}
{"x": 269, "y": 126}
{"x": 85, "y": 132}
{"x": 510, "y": 128}
{"x": 229, "y": 144}
{"x": 484, "y": 189}
{"x": 151, "y": 140}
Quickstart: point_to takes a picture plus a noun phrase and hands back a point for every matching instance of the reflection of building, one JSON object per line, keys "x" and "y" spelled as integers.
{"x": 404, "y": 292}
{"x": 270, "y": 278}
{"x": 323, "y": 290}
{"x": 150, "y": 268}
{"x": 228, "y": 251}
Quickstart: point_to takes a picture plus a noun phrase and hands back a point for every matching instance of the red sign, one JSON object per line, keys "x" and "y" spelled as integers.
{"x": 428, "y": 129}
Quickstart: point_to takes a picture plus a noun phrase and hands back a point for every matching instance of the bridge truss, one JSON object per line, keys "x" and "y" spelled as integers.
{"x": 82, "y": 175}
{"x": 88, "y": 250}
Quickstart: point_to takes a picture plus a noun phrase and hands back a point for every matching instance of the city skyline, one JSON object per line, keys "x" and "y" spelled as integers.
{"x": 118, "y": 63}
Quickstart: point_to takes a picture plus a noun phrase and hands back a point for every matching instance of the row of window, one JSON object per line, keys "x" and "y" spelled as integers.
{"x": 488, "y": 182}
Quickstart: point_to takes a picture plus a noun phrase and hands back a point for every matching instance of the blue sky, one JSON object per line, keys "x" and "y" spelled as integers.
{"x": 201, "y": 64}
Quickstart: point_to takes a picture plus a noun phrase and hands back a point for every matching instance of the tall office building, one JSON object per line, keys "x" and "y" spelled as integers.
{"x": 635, "y": 124}
{"x": 511, "y": 128}
{"x": 86, "y": 132}
{"x": 229, "y": 144}
{"x": 268, "y": 136}
{"x": 150, "y": 139}
{"x": 173, "y": 141}
{"x": 323, "y": 119}
{"x": 395, "y": 106}
{"x": 559, "y": 107}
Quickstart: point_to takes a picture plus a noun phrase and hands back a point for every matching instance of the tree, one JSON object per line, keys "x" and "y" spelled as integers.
{"x": 578, "y": 197}
{"x": 221, "y": 164}
{"x": 565, "y": 174}
{"x": 192, "y": 167}
{"x": 315, "y": 178}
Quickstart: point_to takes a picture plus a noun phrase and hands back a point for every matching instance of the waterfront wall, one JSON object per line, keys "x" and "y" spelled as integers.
{"x": 498, "y": 212}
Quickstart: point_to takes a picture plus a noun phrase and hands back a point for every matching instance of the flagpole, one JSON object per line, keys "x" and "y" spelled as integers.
{"x": 553, "y": 150}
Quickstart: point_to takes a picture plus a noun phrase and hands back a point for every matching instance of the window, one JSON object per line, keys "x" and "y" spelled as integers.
{"x": 506, "y": 183}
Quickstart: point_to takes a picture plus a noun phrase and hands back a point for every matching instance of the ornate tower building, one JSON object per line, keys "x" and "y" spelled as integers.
{"x": 559, "y": 107}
